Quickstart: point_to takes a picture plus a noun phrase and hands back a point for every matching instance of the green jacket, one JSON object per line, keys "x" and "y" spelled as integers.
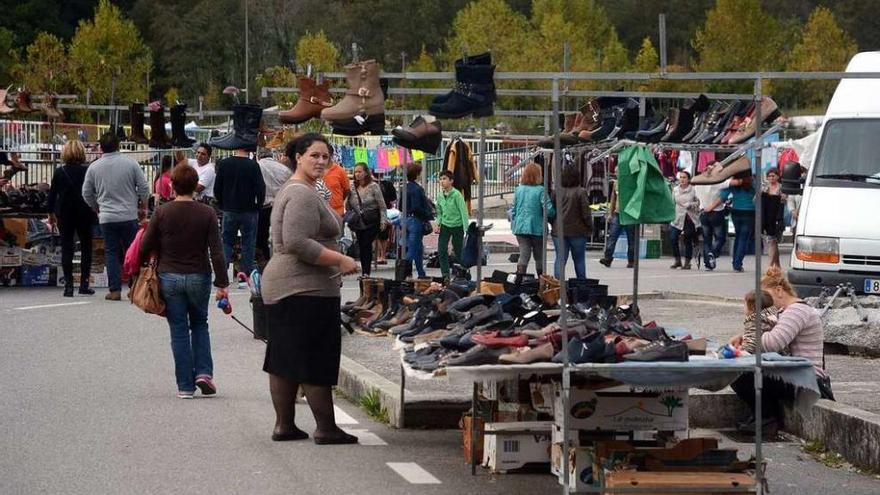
{"x": 451, "y": 210}
{"x": 644, "y": 195}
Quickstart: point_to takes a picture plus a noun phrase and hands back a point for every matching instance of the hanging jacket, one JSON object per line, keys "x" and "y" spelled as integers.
{"x": 527, "y": 217}
{"x": 459, "y": 160}
{"x": 644, "y": 194}
{"x": 686, "y": 204}
{"x": 575, "y": 214}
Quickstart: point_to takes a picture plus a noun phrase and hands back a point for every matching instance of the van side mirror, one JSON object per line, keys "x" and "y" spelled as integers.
{"x": 793, "y": 179}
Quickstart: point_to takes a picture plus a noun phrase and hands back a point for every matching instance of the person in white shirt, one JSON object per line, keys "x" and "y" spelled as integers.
{"x": 275, "y": 174}
{"x": 713, "y": 222}
{"x": 205, "y": 167}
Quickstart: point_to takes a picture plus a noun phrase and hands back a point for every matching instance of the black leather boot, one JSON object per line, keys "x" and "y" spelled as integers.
{"x": 137, "y": 124}
{"x": 158, "y": 136}
{"x": 178, "y": 121}
{"x": 474, "y": 93}
{"x": 245, "y": 127}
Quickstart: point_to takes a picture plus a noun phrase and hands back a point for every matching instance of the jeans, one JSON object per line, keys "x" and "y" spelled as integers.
{"x": 82, "y": 227}
{"x": 743, "y": 226}
{"x": 246, "y": 222}
{"x": 186, "y": 308}
{"x": 577, "y": 246}
{"x": 117, "y": 238}
{"x": 674, "y": 235}
{"x": 456, "y": 235}
{"x": 365, "y": 240}
{"x": 614, "y": 230}
{"x": 530, "y": 245}
{"x": 263, "y": 245}
{"x": 415, "y": 250}
{"x": 714, "y": 233}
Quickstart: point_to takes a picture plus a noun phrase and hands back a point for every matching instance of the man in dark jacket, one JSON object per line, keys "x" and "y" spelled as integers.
{"x": 240, "y": 192}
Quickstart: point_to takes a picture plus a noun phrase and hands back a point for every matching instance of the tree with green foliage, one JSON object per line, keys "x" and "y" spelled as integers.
{"x": 488, "y": 25}
{"x": 8, "y": 57}
{"x": 318, "y": 51}
{"x": 46, "y": 66}
{"x": 823, "y": 46}
{"x": 423, "y": 63}
{"x": 277, "y": 77}
{"x": 107, "y": 48}
{"x": 738, "y": 36}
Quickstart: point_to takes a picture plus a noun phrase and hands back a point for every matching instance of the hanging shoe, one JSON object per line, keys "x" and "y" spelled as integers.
{"x": 313, "y": 98}
{"x": 769, "y": 113}
{"x": 423, "y": 134}
{"x": 716, "y": 174}
{"x": 178, "y": 127}
{"x": 23, "y": 102}
{"x": 4, "y": 108}
{"x": 358, "y": 126}
{"x": 120, "y": 132}
{"x": 50, "y": 108}
{"x": 158, "y": 136}
{"x": 136, "y": 114}
{"x": 245, "y": 126}
{"x": 473, "y": 94}
{"x": 364, "y": 95}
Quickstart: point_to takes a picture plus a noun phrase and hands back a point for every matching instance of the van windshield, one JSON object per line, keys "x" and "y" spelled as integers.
{"x": 849, "y": 153}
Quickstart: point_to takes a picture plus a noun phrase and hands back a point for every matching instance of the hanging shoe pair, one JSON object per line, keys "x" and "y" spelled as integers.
{"x": 474, "y": 91}
{"x": 50, "y": 107}
{"x": 424, "y": 134}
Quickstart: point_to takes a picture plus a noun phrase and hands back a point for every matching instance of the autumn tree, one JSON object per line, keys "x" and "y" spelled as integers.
{"x": 738, "y": 36}
{"x": 318, "y": 51}
{"x": 277, "y": 77}
{"x": 46, "y": 65}
{"x": 488, "y": 25}
{"x": 824, "y": 46}
{"x": 109, "y": 48}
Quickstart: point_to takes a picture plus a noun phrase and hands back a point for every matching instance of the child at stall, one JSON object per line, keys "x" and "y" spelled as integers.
{"x": 769, "y": 317}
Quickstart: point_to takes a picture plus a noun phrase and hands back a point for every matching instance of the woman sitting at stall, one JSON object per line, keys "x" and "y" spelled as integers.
{"x": 800, "y": 329}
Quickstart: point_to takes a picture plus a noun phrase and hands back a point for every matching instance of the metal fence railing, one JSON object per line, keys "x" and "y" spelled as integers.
{"x": 500, "y": 172}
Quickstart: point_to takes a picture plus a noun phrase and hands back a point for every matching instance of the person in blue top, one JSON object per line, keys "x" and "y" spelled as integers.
{"x": 527, "y": 218}
{"x": 741, "y": 193}
{"x": 418, "y": 211}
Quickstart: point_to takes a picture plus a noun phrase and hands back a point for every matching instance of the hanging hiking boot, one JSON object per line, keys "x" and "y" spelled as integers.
{"x": 50, "y": 108}
{"x": 364, "y": 95}
{"x": 158, "y": 136}
{"x": 424, "y": 134}
{"x": 136, "y": 114}
{"x": 313, "y": 98}
{"x": 178, "y": 124}
{"x": 474, "y": 93}
{"x": 23, "y": 102}
{"x": 245, "y": 127}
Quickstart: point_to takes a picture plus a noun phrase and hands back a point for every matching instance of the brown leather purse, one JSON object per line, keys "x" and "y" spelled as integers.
{"x": 145, "y": 291}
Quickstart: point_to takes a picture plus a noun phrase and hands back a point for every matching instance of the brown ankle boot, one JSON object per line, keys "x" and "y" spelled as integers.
{"x": 364, "y": 95}
{"x": 313, "y": 98}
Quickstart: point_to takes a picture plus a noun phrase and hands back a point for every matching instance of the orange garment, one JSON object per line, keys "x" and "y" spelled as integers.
{"x": 336, "y": 179}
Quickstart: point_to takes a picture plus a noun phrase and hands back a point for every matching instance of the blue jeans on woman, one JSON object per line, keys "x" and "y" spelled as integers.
{"x": 577, "y": 246}
{"x": 415, "y": 250}
{"x": 186, "y": 308}
{"x": 743, "y": 226}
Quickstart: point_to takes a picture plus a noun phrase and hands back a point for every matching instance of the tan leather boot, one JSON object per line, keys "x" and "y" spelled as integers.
{"x": 313, "y": 98}
{"x": 364, "y": 95}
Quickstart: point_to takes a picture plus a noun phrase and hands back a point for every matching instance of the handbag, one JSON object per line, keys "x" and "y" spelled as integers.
{"x": 361, "y": 218}
{"x": 145, "y": 291}
{"x": 427, "y": 228}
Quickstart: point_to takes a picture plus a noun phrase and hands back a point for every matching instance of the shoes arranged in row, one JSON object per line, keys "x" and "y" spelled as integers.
{"x": 21, "y": 101}
{"x": 696, "y": 121}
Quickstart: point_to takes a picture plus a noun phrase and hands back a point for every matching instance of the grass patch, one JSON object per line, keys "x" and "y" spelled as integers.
{"x": 372, "y": 405}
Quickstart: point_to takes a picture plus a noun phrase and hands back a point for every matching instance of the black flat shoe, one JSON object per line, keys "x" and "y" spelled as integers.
{"x": 290, "y": 436}
{"x": 341, "y": 439}
{"x": 68, "y": 292}
{"x": 85, "y": 291}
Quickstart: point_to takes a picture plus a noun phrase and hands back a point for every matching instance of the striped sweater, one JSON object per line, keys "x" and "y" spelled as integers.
{"x": 801, "y": 330}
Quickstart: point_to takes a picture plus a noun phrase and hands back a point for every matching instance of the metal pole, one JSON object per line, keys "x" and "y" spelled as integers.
{"x": 544, "y": 231}
{"x": 400, "y": 271}
{"x": 566, "y": 65}
{"x": 474, "y": 429}
{"x": 637, "y": 231}
{"x": 662, "y": 43}
{"x": 563, "y": 292}
{"x": 247, "y": 56}
{"x": 759, "y": 380}
{"x": 401, "y": 420}
{"x": 480, "y": 193}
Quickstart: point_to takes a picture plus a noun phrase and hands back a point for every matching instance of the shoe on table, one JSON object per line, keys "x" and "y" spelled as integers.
{"x": 542, "y": 353}
{"x": 660, "y": 350}
{"x": 206, "y": 384}
{"x": 114, "y": 295}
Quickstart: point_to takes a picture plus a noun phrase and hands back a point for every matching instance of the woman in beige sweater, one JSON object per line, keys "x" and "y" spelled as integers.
{"x": 301, "y": 289}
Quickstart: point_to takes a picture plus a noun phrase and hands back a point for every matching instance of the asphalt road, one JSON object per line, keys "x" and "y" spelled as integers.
{"x": 88, "y": 406}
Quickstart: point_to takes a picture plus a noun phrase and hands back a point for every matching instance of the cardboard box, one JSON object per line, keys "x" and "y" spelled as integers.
{"x": 10, "y": 256}
{"x": 466, "y": 432}
{"x": 581, "y": 467}
{"x": 612, "y": 409}
{"x": 513, "y": 445}
{"x": 633, "y": 479}
{"x": 35, "y": 276}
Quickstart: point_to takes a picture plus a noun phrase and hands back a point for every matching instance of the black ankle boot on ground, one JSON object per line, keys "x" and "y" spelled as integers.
{"x": 68, "y": 291}
{"x": 86, "y": 291}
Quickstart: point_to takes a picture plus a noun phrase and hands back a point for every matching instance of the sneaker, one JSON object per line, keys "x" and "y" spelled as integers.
{"x": 206, "y": 385}
{"x": 606, "y": 262}
{"x": 242, "y": 285}
{"x": 184, "y": 395}
{"x": 739, "y": 270}
{"x": 710, "y": 261}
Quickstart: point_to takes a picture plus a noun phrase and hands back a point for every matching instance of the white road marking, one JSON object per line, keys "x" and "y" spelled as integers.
{"x": 24, "y": 308}
{"x": 342, "y": 418}
{"x": 413, "y": 473}
{"x": 368, "y": 438}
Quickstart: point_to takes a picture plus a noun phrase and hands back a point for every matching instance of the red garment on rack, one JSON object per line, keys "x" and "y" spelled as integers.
{"x": 704, "y": 159}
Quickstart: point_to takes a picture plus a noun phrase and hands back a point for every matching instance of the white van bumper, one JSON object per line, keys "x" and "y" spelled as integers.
{"x": 811, "y": 282}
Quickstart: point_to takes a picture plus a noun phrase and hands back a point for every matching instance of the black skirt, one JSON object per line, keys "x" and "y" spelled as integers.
{"x": 305, "y": 340}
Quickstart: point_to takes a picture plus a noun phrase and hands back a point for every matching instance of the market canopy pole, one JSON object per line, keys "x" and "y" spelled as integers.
{"x": 480, "y": 193}
{"x": 759, "y": 381}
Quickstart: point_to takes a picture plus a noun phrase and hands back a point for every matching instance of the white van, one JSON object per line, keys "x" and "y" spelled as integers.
{"x": 838, "y": 229}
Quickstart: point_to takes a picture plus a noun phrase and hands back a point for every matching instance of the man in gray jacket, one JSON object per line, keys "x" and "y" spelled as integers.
{"x": 115, "y": 187}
